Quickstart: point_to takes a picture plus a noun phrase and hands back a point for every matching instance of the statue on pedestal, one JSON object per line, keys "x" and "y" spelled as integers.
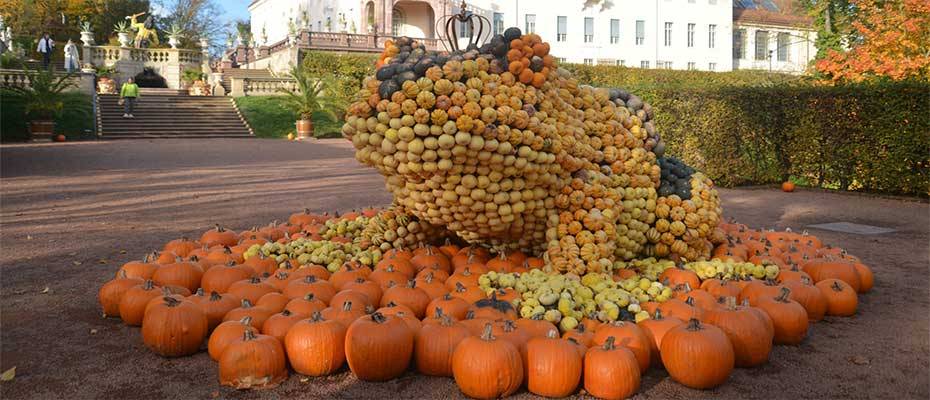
{"x": 145, "y": 31}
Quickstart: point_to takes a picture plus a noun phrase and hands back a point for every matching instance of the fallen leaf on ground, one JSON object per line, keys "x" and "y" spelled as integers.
{"x": 102, "y": 261}
{"x": 28, "y": 237}
{"x": 122, "y": 251}
{"x": 76, "y": 262}
{"x": 93, "y": 331}
{"x": 72, "y": 254}
{"x": 44, "y": 291}
{"x": 8, "y": 375}
{"x": 859, "y": 360}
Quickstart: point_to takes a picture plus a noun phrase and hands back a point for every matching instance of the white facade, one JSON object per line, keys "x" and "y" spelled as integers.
{"x": 792, "y": 53}
{"x": 576, "y": 46}
{"x": 588, "y": 37}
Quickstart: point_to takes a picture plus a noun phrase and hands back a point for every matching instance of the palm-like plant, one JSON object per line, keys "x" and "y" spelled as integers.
{"x": 42, "y": 96}
{"x": 311, "y": 95}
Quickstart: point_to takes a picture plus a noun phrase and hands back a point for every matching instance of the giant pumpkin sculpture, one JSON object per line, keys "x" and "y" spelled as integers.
{"x": 499, "y": 146}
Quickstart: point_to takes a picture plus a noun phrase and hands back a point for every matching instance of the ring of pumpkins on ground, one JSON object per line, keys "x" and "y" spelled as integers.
{"x": 538, "y": 238}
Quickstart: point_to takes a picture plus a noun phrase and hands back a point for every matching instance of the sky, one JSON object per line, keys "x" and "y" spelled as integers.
{"x": 235, "y": 9}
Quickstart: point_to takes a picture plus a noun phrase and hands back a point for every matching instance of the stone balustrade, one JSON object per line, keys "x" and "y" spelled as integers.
{"x": 260, "y": 86}
{"x": 128, "y": 62}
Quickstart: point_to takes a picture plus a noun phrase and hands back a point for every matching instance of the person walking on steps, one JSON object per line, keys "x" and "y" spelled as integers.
{"x": 127, "y": 96}
{"x": 46, "y": 44}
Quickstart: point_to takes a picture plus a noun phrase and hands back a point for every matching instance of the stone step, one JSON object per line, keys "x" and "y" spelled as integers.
{"x": 170, "y": 113}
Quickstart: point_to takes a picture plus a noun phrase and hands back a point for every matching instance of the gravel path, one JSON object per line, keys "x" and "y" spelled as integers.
{"x": 71, "y": 214}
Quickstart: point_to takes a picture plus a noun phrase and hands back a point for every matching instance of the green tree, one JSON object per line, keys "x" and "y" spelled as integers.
{"x": 833, "y": 22}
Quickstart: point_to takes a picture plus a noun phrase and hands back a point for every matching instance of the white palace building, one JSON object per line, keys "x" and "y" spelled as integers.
{"x": 708, "y": 35}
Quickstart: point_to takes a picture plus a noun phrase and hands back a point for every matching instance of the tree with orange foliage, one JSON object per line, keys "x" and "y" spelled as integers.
{"x": 891, "y": 39}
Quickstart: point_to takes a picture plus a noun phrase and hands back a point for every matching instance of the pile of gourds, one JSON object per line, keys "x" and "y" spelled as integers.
{"x": 493, "y": 322}
{"x": 538, "y": 237}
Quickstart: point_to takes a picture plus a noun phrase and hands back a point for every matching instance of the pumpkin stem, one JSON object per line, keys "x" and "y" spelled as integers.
{"x": 193, "y": 259}
{"x": 171, "y": 301}
{"x": 486, "y": 335}
{"x": 378, "y": 318}
{"x": 255, "y": 280}
{"x": 247, "y": 320}
{"x": 347, "y": 306}
{"x": 122, "y": 274}
{"x": 316, "y": 316}
{"x": 438, "y": 313}
{"x": 609, "y": 343}
{"x": 248, "y": 335}
{"x": 412, "y": 283}
{"x": 429, "y": 276}
{"x": 148, "y": 285}
{"x": 459, "y": 287}
{"x": 694, "y": 325}
{"x": 509, "y": 326}
{"x": 281, "y": 275}
{"x": 835, "y": 286}
{"x": 658, "y": 316}
{"x": 445, "y": 321}
{"x": 538, "y": 316}
{"x": 783, "y": 296}
{"x": 246, "y": 303}
{"x": 690, "y": 301}
{"x": 310, "y": 279}
{"x": 470, "y": 314}
{"x": 731, "y": 303}
{"x": 552, "y": 334}
{"x": 308, "y": 297}
{"x": 227, "y": 250}
{"x": 214, "y": 296}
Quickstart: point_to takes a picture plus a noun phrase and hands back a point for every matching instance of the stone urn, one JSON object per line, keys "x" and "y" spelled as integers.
{"x": 124, "y": 39}
{"x": 106, "y": 85}
{"x": 174, "y": 41}
{"x": 88, "y": 38}
{"x": 198, "y": 88}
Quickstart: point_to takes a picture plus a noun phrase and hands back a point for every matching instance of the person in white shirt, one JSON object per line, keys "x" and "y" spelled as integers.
{"x": 72, "y": 58}
{"x": 46, "y": 44}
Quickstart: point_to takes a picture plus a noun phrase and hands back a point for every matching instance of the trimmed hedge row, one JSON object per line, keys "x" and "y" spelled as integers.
{"x": 270, "y": 118}
{"x": 870, "y": 137}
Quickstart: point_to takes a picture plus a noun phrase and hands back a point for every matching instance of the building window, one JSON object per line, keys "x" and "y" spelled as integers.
{"x": 464, "y": 30}
{"x": 498, "y": 23}
{"x": 711, "y": 36}
{"x": 668, "y": 34}
{"x": 640, "y": 32}
{"x": 614, "y": 31}
{"x": 588, "y": 61}
{"x": 783, "y": 46}
{"x": 644, "y": 64}
{"x": 690, "y": 35}
{"x": 621, "y": 63}
{"x": 762, "y": 45}
{"x": 562, "y": 26}
{"x": 561, "y": 59}
{"x": 398, "y": 20}
{"x": 739, "y": 44}
{"x": 691, "y": 66}
{"x": 712, "y": 67}
{"x": 588, "y": 29}
{"x": 530, "y": 23}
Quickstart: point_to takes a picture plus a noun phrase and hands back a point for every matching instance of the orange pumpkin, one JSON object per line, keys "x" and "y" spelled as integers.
{"x": 435, "y": 345}
{"x": 554, "y": 366}
{"x": 226, "y": 333}
{"x": 610, "y": 371}
{"x": 256, "y": 361}
{"x": 378, "y": 347}
{"x": 316, "y": 346}
{"x": 697, "y": 355}
{"x": 841, "y": 299}
{"x": 485, "y": 367}
{"x": 655, "y": 329}
{"x": 112, "y": 292}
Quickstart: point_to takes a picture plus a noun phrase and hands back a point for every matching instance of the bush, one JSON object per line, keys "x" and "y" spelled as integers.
{"x": 348, "y": 69}
{"x": 269, "y": 117}
{"x": 73, "y": 121}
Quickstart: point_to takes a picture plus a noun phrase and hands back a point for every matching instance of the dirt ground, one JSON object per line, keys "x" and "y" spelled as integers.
{"x": 71, "y": 214}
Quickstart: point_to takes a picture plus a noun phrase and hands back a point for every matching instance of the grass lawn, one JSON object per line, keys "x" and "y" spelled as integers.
{"x": 269, "y": 118}
{"x": 76, "y": 118}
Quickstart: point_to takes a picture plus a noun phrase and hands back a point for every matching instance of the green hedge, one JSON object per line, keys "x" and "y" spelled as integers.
{"x": 73, "y": 122}
{"x": 869, "y": 137}
{"x": 269, "y": 118}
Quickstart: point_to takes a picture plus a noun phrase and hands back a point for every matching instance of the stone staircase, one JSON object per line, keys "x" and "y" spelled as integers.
{"x": 230, "y": 73}
{"x": 167, "y": 113}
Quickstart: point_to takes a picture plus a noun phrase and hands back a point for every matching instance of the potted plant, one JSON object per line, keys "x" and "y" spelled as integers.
{"x": 42, "y": 100}
{"x": 87, "y": 33}
{"x": 105, "y": 83}
{"x": 192, "y": 78}
{"x": 309, "y": 97}
{"x": 291, "y": 32}
{"x": 123, "y": 31}
{"x": 175, "y": 33}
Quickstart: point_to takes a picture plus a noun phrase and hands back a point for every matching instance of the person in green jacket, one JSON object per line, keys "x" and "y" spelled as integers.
{"x": 128, "y": 94}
